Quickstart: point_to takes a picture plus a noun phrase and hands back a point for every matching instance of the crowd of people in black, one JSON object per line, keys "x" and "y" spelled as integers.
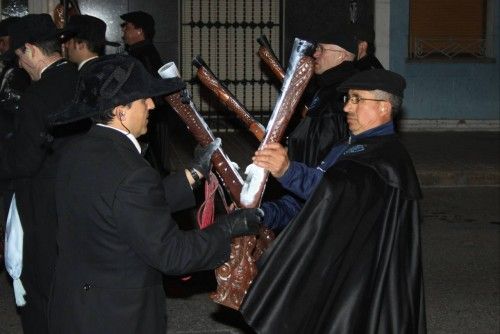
{"x": 85, "y": 181}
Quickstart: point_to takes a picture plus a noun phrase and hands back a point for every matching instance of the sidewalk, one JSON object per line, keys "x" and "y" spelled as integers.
{"x": 442, "y": 159}
{"x": 451, "y": 159}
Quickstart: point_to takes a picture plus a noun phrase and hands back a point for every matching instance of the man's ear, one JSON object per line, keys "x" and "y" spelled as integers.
{"x": 385, "y": 108}
{"x": 119, "y": 112}
{"x": 362, "y": 49}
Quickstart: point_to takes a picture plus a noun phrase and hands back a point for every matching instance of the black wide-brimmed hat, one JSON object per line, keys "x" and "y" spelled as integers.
{"x": 86, "y": 27}
{"x": 141, "y": 20}
{"x": 5, "y": 24}
{"x": 381, "y": 79}
{"x": 32, "y": 28}
{"x": 111, "y": 81}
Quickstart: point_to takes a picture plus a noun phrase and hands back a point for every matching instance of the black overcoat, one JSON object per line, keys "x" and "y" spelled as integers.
{"x": 30, "y": 159}
{"x": 351, "y": 261}
{"x": 116, "y": 238}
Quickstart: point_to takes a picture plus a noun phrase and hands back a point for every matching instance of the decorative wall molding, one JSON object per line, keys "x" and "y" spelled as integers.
{"x": 408, "y": 125}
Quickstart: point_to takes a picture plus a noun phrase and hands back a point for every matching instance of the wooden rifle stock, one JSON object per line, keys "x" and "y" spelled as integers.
{"x": 268, "y": 56}
{"x": 184, "y": 107}
{"x": 298, "y": 75}
{"x": 235, "y": 276}
{"x": 208, "y": 78}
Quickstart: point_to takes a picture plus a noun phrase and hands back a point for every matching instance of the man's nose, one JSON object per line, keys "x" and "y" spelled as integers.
{"x": 347, "y": 107}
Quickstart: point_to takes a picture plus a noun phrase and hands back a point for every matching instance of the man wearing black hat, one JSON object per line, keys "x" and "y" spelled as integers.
{"x": 324, "y": 124}
{"x": 365, "y": 58}
{"x": 30, "y": 156}
{"x": 116, "y": 235}
{"x": 351, "y": 258}
{"x": 85, "y": 39}
{"x": 138, "y": 32}
{"x": 13, "y": 82}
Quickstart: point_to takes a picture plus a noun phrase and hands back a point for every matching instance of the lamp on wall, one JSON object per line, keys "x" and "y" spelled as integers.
{"x": 353, "y": 10}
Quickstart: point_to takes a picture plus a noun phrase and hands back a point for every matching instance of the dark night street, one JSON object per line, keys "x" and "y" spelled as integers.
{"x": 461, "y": 243}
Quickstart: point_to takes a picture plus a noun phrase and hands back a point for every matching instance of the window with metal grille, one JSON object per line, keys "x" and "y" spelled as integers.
{"x": 224, "y": 33}
{"x": 449, "y": 29}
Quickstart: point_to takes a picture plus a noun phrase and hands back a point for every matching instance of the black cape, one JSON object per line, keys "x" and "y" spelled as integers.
{"x": 350, "y": 262}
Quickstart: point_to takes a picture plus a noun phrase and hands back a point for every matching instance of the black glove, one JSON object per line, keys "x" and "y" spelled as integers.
{"x": 242, "y": 221}
{"x": 185, "y": 96}
{"x": 202, "y": 155}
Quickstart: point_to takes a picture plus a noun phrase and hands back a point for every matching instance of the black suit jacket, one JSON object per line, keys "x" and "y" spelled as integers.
{"x": 116, "y": 238}
{"x": 148, "y": 55}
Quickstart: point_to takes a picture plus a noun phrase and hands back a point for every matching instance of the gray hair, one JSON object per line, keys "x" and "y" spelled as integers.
{"x": 394, "y": 100}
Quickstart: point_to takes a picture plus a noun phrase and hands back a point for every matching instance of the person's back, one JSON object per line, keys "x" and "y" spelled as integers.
{"x": 55, "y": 89}
{"x": 30, "y": 157}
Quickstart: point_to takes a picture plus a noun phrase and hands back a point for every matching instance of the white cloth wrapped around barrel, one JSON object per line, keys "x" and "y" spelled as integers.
{"x": 14, "y": 251}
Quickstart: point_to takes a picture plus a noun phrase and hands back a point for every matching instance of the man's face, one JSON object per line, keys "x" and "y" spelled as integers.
{"x": 4, "y": 44}
{"x": 326, "y": 57}
{"x": 28, "y": 61}
{"x": 71, "y": 50}
{"x": 131, "y": 34}
{"x": 365, "y": 114}
{"x": 137, "y": 116}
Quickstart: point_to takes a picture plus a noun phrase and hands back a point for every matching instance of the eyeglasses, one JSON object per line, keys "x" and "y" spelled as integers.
{"x": 320, "y": 49}
{"x": 356, "y": 99}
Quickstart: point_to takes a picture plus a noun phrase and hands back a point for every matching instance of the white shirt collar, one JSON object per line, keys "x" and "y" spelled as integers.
{"x": 84, "y": 62}
{"x": 128, "y": 134}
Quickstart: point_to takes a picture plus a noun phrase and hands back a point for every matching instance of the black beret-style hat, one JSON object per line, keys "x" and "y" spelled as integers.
{"x": 340, "y": 36}
{"x": 345, "y": 41}
{"x": 89, "y": 28}
{"x": 111, "y": 81}
{"x": 141, "y": 20}
{"x": 381, "y": 79}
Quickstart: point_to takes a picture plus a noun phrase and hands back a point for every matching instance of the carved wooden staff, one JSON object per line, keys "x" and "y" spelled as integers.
{"x": 234, "y": 276}
{"x": 208, "y": 78}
